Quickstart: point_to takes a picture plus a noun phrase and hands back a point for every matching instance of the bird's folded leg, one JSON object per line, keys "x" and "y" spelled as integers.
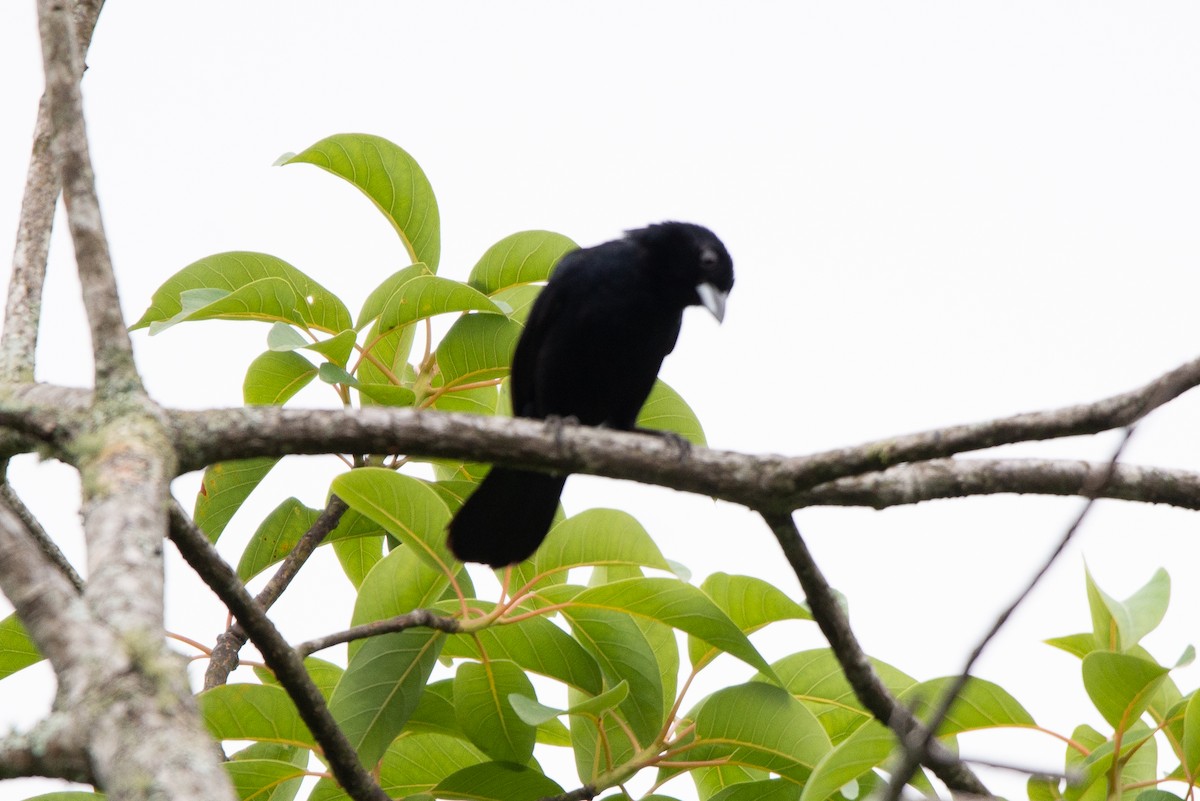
{"x": 556, "y": 423}
{"x": 683, "y": 446}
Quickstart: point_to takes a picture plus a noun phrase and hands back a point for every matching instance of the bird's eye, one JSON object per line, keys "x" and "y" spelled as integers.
{"x": 708, "y": 257}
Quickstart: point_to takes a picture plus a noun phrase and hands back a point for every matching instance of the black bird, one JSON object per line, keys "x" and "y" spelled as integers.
{"x": 591, "y": 350}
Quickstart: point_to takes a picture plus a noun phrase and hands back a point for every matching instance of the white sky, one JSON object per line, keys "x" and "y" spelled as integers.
{"x": 938, "y": 213}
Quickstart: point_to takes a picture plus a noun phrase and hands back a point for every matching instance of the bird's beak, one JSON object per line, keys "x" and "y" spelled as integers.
{"x": 712, "y": 299}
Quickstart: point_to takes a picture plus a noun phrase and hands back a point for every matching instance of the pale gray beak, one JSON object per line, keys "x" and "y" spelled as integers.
{"x": 712, "y": 299}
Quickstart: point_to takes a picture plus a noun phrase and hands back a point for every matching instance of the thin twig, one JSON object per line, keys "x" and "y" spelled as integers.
{"x": 917, "y": 744}
{"x": 225, "y": 652}
{"x": 411, "y": 620}
{"x": 43, "y": 540}
{"x": 283, "y": 661}
{"x": 867, "y": 685}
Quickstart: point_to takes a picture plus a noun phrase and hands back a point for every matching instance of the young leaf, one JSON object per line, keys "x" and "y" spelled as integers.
{"x": 17, "y": 651}
{"x": 519, "y": 258}
{"x": 337, "y": 349}
{"x": 274, "y": 377}
{"x": 381, "y": 294}
{"x": 481, "y": 691}
{"x": 253, "y": 712}
{"x": 1121, "y": 685}
{"x": 1120, "y": 626}
{"x": 231, "y": 272}
{"x": 393, "y": 181}
{"x": 535, "y": 714}
{"x": 283, "y": 337}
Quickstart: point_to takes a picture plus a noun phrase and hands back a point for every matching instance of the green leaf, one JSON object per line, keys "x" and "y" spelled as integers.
{"x": 749, "y": 602}
{"x": 330, "y": 373}
{"x": 224, "y": 488}
{"x": 259, "y": 779}
{"x": 325, "y": 675}
{"x": 276, "y": 376}
{"x": 517, "y": 301}
{"x": 358, "y": 556}
{"x": 816, "y": 679}
{"x": 253, "y": 712}
{"x": 17, "y": 651}
{"x": 1138, "y": 755}
{"x": 232, "y": 273}
{"x": 1121, "y": 685}
{"x": 1079, "y": 645}
{"x": 276, "y": 536}
{"x": 1119, "y": 626}
{"x": 380, "y": 295}
{"x": 624, "y": 654}
{"x": 678, "y": 605}
{"x": 497, "y": 781}
{"x": 427, "y": 296}
{"x": 535, "y": 714}
{"x": 393, "y": 181}
{"x": 388, "y": 394}
{"x": 477, "y": 347}
{"x": 435, "y": 710}
{"x": 1191, "y": 736}
{"x": 481, "y": 692}
{"x": 337, "y": 349}
{"x": 595, "y": 537}
{"x": 980, "y": 704}
{"x": 854, "y": 757}
{"x": 666, "y": 410}
{"x": 520, "y": 258}
{"x": 405, "y": 507}
{"x": 538, "y": 646}
{"x": 417, "y": 763}
{"x": 712, "y": 781}
{"x": 766, "y": 790}
{"x": 761, "y": 726}
{"x": 283, "y": 337}
{"x": 391, "y": 351}
{"x": 381, "y": 687}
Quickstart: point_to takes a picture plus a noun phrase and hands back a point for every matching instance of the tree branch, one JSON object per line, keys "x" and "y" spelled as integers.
{"x": 224, "y": 657}
{"x": 411, "y": 620}
{"x": 283, "y": 661}
{"x": 111, "y": 348}
{"x": 24, "y": 306}
{"x": 44, "y": 542}
{"x": 867, "y": 685}
{"x": 44, "y": 751}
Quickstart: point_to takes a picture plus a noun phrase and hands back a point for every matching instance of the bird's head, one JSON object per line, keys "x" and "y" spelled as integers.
{"x": 696, "y": 269}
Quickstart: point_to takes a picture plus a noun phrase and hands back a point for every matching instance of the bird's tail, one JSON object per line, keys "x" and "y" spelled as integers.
{"x": 506, "y": 518}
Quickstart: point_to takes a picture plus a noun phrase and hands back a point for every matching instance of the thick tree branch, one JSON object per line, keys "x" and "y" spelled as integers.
{"x": 283, "y": 661}
{"x": 961, "y": 478}
{"x": 224, "y": 657}
{"x": 44, "y": 751}
{"x": 867, "y": 686}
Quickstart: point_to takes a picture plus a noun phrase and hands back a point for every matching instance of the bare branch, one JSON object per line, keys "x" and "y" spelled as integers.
{"x": 961, "y": 478}
{"x": 111, "y": 348}
{"x": 34, "y": 529}
{"x": 224, "y": 657}
{"x": 411, "y": 620}
{"x": 45, "y": 751}
{"x": 23, "y": 308}
{"x": 867, "y": 685}
{"x": 916, "y": 747}
{"x": 283, "y": 661}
